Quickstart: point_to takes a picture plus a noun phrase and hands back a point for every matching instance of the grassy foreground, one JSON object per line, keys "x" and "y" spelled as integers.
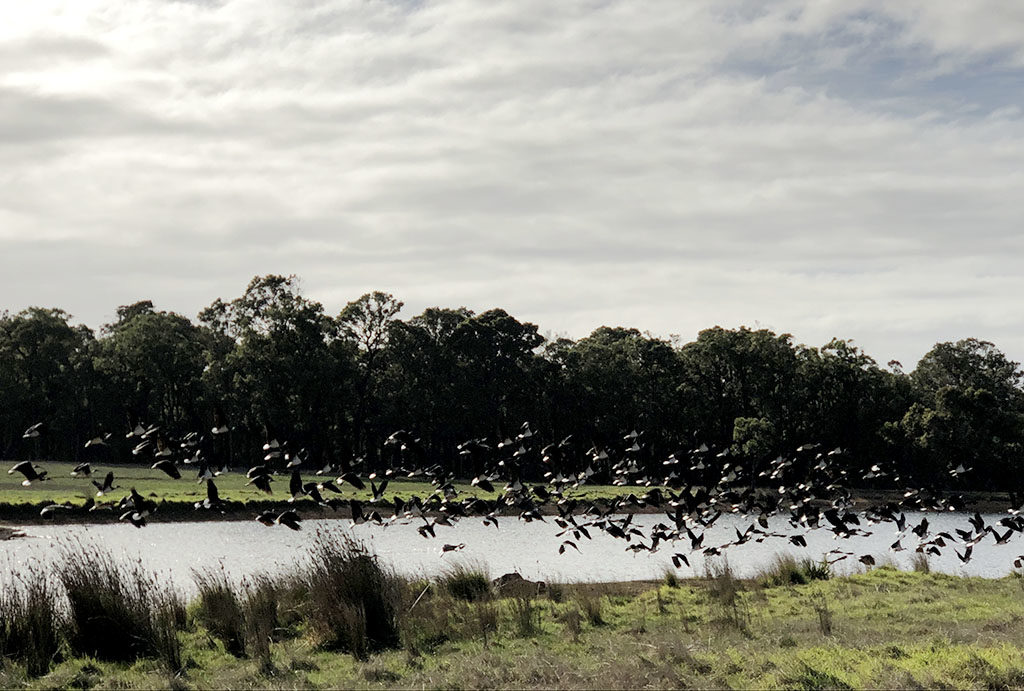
{"x": 345, "y": 622}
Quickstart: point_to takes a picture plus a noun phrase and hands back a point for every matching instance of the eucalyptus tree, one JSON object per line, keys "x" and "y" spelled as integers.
{"x": 365, "y": 324}
{"x": 846, "y": 400}
{"x": 499, "y": 371}
{"x": 741, "y": 373}
{"x": 968, "y": 416}
{"x": 284, "y": 374}
{"x": 153, "y": 361}
{"x": 46, "y": 375}
{"x": 625, "y": 379}
{"x": 421, "y": 387}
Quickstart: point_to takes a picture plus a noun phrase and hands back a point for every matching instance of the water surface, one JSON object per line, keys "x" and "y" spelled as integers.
{"x": 174, "y": 550}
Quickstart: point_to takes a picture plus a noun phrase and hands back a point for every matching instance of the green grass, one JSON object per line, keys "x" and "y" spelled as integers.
{"x": 61, "y": 487}
{"x": 889, "y": 629}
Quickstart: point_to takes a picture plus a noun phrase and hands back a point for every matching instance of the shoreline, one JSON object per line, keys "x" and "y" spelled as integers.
{"x": 28, "y": 513}
{"x": 14, "y": 515}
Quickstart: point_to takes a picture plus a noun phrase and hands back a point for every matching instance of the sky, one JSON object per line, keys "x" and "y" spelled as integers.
{"x": 849, "y": 169}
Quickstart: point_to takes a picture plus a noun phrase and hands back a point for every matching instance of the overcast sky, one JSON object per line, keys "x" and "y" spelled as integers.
{"x": 847, "y": 168}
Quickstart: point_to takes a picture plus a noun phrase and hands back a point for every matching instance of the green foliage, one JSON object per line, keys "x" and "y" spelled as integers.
{"x": 272, "y": 363}
{"x": 882, "y": 629}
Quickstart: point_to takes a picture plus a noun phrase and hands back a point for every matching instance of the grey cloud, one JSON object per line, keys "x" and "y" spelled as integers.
{"x": 668, "y": 166}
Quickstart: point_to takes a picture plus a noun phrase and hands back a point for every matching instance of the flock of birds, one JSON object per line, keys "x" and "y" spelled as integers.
{"x": 535, "y": 480}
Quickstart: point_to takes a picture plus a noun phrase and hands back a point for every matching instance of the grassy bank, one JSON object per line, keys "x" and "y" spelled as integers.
{"x": 343, "y": 621}
{"x": 20, "y": 504}
{"x": 176, "y": 497}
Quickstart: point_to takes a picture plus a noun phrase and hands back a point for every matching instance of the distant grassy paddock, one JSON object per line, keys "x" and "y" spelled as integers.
{"x": 884, "y": 629}
{"x": 180, "y": 494}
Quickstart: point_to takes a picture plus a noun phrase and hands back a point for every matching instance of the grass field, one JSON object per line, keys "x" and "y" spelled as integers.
{"x": 62, "y": 487}
{"x": 878, "y": 629}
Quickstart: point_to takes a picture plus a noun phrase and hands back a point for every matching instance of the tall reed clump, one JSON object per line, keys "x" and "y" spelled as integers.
{"x": 30, "y": 622}
{"x": 352, "y": 600}
{"x": 244, "y": 617}
{"x": 260, "y": 621}
{"x": 219, "y": 610}
{"x": 119, "y": 612}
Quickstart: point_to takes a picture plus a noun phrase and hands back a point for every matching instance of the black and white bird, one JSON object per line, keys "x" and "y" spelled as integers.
{"x": 35, "y": 431}
{"x": 167, "y": 465}
{"x": 32, "y": 472}
{"x": 107, "y": 486}
{"x": 212, "y": 500}
{"x": 290, "y": 519}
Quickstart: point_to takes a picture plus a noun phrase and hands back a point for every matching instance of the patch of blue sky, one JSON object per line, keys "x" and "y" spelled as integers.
{"x": 865, "y": 60}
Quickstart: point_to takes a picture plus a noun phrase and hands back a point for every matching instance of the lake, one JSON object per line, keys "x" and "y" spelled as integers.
{"x": 174, "y": 550}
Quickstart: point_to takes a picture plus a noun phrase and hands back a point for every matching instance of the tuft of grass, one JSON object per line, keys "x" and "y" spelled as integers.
{"x": 30, "y": 622}
{"x": 486, "y": 617}
{"x": 591, "y": 605}
{"x": 727, "y": 590}
{"x": 785, "y": 569}
{"x": 821, "y": 607}
{"x": 670, "y": 578}
{"x": 352, "y": 600}
{"x": 919, "y": 563}
{"x": 424, "y": 623}
{"x": 525, "y": 616}
{"x": 119, "y": 612}
{"x": 469, "y": 583}
{"x": 219, "y": 610}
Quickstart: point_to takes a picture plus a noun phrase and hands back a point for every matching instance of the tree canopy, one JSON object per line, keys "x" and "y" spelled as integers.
{"x": 272, "y": 363}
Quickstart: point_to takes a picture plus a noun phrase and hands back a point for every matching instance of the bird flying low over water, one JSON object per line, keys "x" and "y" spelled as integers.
{"x": 212, "y": 500}
{"x": 289, "y": 518}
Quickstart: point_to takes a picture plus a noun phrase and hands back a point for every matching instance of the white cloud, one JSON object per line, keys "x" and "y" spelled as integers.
{"x": 826, "y": 168}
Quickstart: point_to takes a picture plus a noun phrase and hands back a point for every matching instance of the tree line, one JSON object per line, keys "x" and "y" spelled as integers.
{"x": 272, "y": 364}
